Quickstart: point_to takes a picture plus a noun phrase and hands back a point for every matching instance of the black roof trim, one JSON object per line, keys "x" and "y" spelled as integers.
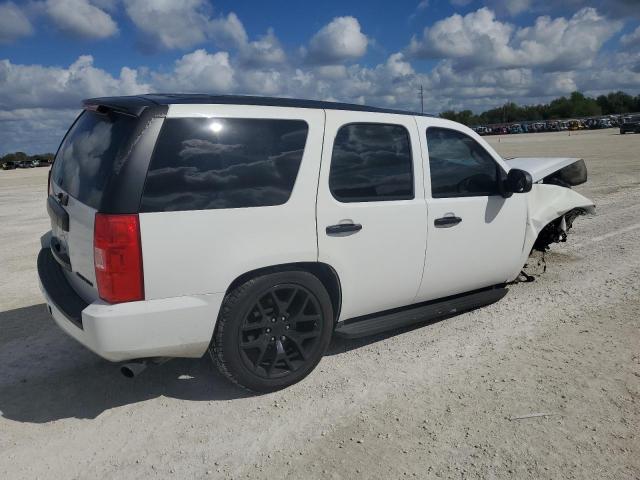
{"x": 135, "y": 105}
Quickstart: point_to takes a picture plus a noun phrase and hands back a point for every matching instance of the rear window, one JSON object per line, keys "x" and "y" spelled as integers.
{"x": 371, "y": 162}
{"x": 210, "y": 163}
{"x": 87, "y": 156}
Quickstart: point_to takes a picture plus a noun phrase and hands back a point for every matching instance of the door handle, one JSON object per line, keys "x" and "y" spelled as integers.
{"x": 343, "y": 228}
{"x": 446, "y": 222}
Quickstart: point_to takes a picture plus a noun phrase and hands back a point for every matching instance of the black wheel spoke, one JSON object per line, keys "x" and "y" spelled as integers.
{"x": 263, "y": 349}
{"x": 297, "y": 342}
{"x": 257, "y": 342}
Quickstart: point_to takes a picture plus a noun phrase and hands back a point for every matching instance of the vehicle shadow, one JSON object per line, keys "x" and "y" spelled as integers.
{"x": 47, "y": 376}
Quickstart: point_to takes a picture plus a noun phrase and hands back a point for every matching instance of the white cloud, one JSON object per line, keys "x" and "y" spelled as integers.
{"x": 33, "y": 130}
{"x": 515, "y": 7}
{"x": 35, "y": 86}
{"x": 338, "y": 41}
{"x": 479, "y": 39}
{"x": 264, "y": 51}
{"x": 169, "y": 24}
{"x": 14, "y": 23}
{"x": 631, "y": 39}
{"x": 422, "y": 6}
{"x": 198, "y": 71}
{"x": 228, "y": 31}
{"x": 81, "y": 18}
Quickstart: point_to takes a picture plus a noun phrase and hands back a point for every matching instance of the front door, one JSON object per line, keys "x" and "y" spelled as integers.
{"x": 476, "y": 235}
{"x": 371, "y": 215}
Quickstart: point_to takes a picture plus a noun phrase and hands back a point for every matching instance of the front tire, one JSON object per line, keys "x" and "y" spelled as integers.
{"x": 272, "y": 330}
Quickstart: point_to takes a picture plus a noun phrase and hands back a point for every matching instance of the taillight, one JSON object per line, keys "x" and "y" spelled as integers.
{"x": 117, "y": 256}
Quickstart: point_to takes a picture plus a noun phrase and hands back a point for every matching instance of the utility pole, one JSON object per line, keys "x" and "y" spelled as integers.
{"x": 421, "y": 95}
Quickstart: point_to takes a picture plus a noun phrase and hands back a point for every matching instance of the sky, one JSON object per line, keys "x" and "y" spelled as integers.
{"x": 466, "y": 54}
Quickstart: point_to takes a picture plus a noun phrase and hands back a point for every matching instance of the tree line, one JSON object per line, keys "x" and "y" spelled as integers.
{"x": 21, "y": 156}
{"x": 574, "y": 106}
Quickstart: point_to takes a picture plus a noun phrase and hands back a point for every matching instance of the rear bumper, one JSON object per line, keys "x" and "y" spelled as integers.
{"x": 167, "y": 327}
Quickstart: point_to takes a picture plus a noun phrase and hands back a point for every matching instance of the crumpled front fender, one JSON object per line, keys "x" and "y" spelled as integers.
{"x": 545, "y": 203}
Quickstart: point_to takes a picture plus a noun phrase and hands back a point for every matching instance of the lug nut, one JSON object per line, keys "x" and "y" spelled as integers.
{"x": 273, "y": 320}
{"x": 268, "y": 330}
{"x": 283, "y": 338}
{"x": 286, "y": 327}
{"x": 282, "y": 318}
{"x": 273, "y": 339}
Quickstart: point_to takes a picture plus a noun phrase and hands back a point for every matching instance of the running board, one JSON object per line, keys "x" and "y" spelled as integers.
{"x": 401, "y": 317}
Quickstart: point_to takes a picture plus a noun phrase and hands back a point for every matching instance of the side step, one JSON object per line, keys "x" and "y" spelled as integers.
{"x": 401, "y": 317}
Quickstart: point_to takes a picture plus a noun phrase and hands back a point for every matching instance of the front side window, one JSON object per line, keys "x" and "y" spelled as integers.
{"x": 211, "y": 163}
{"x": 371, "y": 162}
{"x": 459, "y": 166}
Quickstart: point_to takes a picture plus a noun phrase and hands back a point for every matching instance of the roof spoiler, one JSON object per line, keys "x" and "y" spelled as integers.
{"x": 133, "y": 106}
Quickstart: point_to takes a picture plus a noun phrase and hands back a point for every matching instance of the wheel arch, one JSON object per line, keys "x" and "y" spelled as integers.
{"x": 323, "y": 271}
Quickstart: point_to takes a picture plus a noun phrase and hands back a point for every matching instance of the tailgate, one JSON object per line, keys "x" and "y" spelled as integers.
{"x": 89, "y": 157}
{"x": 72, "y": 241}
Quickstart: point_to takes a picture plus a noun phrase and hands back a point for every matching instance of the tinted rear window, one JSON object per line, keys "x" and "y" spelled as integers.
{"x": 209, "y": 163}
{"x": 371, "y": 162}
{"x": 88, "y": 154}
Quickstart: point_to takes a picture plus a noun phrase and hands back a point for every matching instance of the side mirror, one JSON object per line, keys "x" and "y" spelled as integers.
{"x": 518, "y": 181}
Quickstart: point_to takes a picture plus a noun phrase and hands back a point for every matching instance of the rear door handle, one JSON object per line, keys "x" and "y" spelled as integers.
{"x": 446, "y": 222}
{"x": 343, "y": 228}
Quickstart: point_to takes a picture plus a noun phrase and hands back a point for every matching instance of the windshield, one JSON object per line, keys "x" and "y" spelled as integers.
{"x": 86, "y": 158}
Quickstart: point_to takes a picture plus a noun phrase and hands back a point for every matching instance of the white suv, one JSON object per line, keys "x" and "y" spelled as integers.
{"x": 255, "y": 228}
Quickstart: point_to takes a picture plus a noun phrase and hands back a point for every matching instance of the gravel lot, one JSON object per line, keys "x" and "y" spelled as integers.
{"x": 434, "y": 401}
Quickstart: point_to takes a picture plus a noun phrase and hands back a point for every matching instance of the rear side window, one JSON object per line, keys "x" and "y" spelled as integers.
{"x": 459, "y": 166}
{"x": 88, "y": 155}
{"x": 209, "y": 163}
{"x": 371, "y": 162}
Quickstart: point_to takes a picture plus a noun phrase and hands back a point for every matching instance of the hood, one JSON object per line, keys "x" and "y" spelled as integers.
{"x": 540, "y": 167}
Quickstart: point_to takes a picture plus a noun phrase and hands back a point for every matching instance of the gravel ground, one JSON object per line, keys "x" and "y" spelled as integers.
{"x": 442, "y": 400}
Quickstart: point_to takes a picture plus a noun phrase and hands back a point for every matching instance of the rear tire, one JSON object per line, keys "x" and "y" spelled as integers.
{"x": 272, "y": 330}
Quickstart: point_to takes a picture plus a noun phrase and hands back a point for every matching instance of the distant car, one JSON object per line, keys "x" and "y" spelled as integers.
{"x": 9, "y": 165}
{"x": 483, "y": 131}
{"x": 25, "y": 164}
{"x": 630, "y": 124}
{"x": 515, "y": 128}
{"x": 604, "y": 123}
{"x": 36, "y": 163}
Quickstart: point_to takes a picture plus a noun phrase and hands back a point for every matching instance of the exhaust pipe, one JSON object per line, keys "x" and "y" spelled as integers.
{"x": 136, "y": 367}
{"x": 133, "y": 369}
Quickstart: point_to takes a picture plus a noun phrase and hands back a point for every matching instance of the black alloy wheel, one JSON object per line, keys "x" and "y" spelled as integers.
{"x": 272, "y": 330}
{"x": 281, "y": 331}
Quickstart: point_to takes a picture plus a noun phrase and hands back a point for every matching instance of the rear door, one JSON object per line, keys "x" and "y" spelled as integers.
{"x": 371, "y": 217}
{"x": 79, "y": 177}
{"x": 476, "y": 235}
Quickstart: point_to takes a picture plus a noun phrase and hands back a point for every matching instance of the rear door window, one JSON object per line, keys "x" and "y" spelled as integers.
{"x": 371, "y": 162}
{"x": 88, "y": 155}
{"x": 212, "y": 163}
{"x": 460, "y": 166}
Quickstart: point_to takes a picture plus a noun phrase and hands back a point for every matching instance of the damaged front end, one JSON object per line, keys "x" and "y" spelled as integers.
{"x": 556, "y": 231}
{"x": 552, "y": 205}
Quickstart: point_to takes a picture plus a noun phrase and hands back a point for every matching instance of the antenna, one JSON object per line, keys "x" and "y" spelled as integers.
{"x": 421, "y": 95}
